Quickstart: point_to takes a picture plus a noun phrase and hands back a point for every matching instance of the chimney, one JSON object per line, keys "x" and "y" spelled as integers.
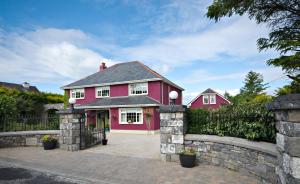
{"x": 26, "y": 85}
{"x": 102, "y": 67}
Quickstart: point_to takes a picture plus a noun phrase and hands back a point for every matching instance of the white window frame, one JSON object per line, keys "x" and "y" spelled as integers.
{"x": 205, "y": 96}
{"x": 212, "y": 97}
{"x": 143, "y": 93}
{"x": 101, "y": 89}
{"x": 79, "y": 90}
{"x": 124, "y": 111}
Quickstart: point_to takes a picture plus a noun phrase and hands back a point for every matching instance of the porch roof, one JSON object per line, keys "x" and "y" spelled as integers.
{"x": 128, "y": 101}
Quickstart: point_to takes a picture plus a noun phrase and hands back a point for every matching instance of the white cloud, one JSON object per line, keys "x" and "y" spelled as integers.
{"x": 47, "y": 56}
{"x": 235, "y": 38}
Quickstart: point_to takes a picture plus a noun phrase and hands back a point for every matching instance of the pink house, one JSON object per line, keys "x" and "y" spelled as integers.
{"x": 208, "y": 99}
{"x": 126, "y": 94}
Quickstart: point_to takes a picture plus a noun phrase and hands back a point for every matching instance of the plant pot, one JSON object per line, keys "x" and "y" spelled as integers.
{"x": 49, "y": 145}
{"x": 187, "y": 160}
{"x": 104, "y": 141}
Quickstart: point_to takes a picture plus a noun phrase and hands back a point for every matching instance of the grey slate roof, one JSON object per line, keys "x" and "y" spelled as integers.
{"x": 208, "y": 91}
{"x": 140, "y": 100}
{"x": 119, "y": 73}
{"x": 19, "y": 87}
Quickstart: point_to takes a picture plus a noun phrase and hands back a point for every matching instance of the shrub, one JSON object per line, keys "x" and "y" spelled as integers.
{"x": 251, "y": 121}
{"x": 48, "y": 138}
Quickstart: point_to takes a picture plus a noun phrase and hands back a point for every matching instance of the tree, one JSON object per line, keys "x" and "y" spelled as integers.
{"x": 254, "y": 84}
{"x": 282, "y": 16}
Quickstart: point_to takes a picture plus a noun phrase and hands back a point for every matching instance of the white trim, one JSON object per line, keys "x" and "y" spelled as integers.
{"x": 140, "y": 132}
{"x": 116, "y": 106}
{"x": 129, "y": 89}
{"x": 208, "y": 98}
{"x": 214, "y": 96}
{"x": 133, "y": 110}
{"x": 96, "y": 92}
{"x": 112, "y": 83}
{"x": 189, "y": 104}
{"x": 80, "y": 90}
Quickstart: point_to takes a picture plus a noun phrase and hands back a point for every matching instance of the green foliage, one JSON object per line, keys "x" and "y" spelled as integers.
{"x": 254, "y": 84}
{"x": 294, "y": 87}
{"x": 7, "y": 106}
{"x": 25, "y": 103}
{"x": 252, "y": 91}
{"x": 283, "y": 18}
{"x": 48, "y": 138}
{"x": 251, "y": 121}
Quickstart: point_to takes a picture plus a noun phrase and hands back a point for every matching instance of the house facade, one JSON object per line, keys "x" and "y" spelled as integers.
{"x": 208, "y": 99}
{"x": 127, "y": 95}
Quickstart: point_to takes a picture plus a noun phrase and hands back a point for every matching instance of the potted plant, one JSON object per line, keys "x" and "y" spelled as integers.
{"x": 49, "y": 142}
{"x": 188, "y": 158}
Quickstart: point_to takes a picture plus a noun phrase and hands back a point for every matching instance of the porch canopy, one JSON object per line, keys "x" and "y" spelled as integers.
{"x": 128, "y": 101}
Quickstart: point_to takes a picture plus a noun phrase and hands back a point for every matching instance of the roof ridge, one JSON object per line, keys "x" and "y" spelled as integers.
{"x": 149, "y": 69}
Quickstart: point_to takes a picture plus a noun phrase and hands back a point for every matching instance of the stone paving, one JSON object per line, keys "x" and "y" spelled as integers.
{"x": 93, "y": 167}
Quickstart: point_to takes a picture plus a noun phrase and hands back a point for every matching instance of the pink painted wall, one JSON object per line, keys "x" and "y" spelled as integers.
{"x": 119, "y": 90}
{"x": 198, "y": 103}
{"x": 165, "y": 94}
{"x": 89, "y": 96}
{"x": 114, "y": 119}
{"x": 166, "y": 90}
{"x": 154, "y": 90}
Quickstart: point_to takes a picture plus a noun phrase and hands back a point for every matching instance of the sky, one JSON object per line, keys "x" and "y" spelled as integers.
{"x": 52, "y": 43}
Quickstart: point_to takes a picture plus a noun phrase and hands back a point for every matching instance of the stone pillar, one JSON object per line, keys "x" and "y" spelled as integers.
{"x": 172, "y": 131}
{"x": 287, "y": 113}
{"x": 69, "y": 138}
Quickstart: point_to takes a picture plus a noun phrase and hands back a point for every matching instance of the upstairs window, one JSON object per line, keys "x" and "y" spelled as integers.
{"x": 131, "y": 116}
{"x": 212, "y": 99}
{"x": 102, "y": 92}
{"x": 138, "y": 89}
{"x": 209, "y": 99}
{"x": 77, "y": 93}
{"x": 205, "y": 99}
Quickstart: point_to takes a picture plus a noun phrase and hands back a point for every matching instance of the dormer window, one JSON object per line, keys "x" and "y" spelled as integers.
{"x": 205, "y": 99}
{"x": 102, "y": 92}
{"x": 77, "y": 93}
{"x": 209, "y": 99}
{"x": 138, "y": 89}
{"x": 212, "y": 99}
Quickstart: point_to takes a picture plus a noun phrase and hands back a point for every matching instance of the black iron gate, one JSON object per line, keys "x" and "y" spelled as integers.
{"x": 89, "y": 136}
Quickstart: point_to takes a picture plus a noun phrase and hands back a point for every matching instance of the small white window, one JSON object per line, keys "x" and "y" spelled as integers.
{"x": 77, "y": 93}
{"x": 205, "y": 99}
{"x": 138, "y": 89}
{"x": 102, "y": 92}
{"x": 212, "y": 99}
{"x": 131, "y": 116}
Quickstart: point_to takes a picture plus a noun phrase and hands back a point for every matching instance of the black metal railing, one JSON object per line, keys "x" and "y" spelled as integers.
{"x": 254, "y": 123}
{"x": 27, "y": 123}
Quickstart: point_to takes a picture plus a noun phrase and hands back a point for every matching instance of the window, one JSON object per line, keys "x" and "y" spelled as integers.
{"x": 102, "y": 92}
{"x": 131, "y": 116}
{"x": 205, "y": 99}
{"x": 77, "y": 93}
{"x": 212, "y": 99}
{"x": 138, "y": 89}
{"x": 209, "y": 99}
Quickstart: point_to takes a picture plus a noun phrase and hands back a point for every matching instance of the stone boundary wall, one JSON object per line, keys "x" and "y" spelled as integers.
{"x": 257, "y": 159}
{"x": 25, "y": 138}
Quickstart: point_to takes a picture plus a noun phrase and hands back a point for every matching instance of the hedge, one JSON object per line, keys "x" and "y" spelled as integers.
{"x": 250, "y": 121}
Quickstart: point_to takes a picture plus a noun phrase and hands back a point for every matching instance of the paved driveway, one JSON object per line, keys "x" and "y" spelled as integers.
{"x": 91, "y": 166}
{"x": 129, "y": 145}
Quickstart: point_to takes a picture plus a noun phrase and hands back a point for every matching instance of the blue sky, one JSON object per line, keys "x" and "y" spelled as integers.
{"x": 52, "y": 43}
